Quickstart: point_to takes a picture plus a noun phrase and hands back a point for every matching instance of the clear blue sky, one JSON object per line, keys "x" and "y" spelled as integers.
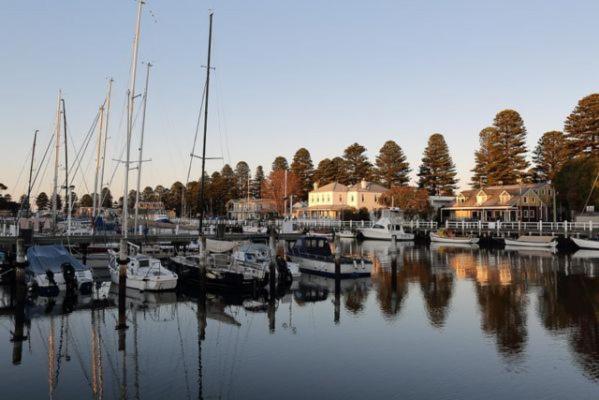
{"x": 318, "y": 74}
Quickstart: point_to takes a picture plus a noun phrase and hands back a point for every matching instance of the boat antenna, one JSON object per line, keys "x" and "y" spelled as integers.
{"x": 203, "y": 180}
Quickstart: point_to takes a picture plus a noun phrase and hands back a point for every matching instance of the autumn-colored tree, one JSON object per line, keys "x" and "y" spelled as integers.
{"x": 582, "y": 127}
{"x": 392, "y": 167}
{"x": 242, "y": 178}
{"x": 356, "y": 163}
{"x": 273, "y": 188}
{"x": 437, "y": 173}
{"x": 42, "y": 201}
{"x": 280, "y": 162}
{"x": 576, "y": 183}
{"x": 303, "y": 168}
{"x": 511, "y": 148}
{"x": 86, "y": 201}
{"x": 257, "y": 182}
{"x": 549, "y": 156}
{"x": 413, "y": 201}
{"x": 485, "y": 162}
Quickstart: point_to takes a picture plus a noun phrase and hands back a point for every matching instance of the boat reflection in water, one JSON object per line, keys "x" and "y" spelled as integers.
{"x": 513, "y": 318}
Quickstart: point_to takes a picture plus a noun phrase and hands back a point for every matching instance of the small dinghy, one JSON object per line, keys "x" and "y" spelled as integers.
{"x": 143, "y": 273}
{"x": 314, "y": 256}
{"x": 586, "y": 243}
{"x": 346, "y": 234}
{"x": 540, "y": 242}
{"x": 53, "y": 269}
{"x": 447, "y": 236}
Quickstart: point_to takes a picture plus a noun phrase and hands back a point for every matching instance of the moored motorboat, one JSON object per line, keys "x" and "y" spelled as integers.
{"x": 446, "y": 236}
{"x": 314, "y": 256}
{"x": 52, "y": 269}
{"x": 143, "y": 273}
{"x": 346, "y": 234}
{"x": 541, "y": 242}
{"x": 386, "y": 227}
{"x": 588, "y": 244}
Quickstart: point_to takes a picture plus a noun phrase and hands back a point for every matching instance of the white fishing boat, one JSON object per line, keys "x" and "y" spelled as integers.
{"x": 258, "y": 256}
{"x": 588, "y": 244}
{"x": 143, "y": 273}
{"x": 443, "y": 236}
{"x": 314, "y": 256}
{"x": 346, "y": 234}
{"x": 541, "y": 242}
{"x": 389, "y": 225}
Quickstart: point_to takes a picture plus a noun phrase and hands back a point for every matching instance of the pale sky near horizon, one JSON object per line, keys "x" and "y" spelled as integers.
{"x": 290, "y": 74}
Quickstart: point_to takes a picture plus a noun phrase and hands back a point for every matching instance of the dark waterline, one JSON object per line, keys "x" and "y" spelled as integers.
{"x": 457, "y": 323}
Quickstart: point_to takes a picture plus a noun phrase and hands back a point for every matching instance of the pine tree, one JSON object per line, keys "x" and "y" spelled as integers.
{"x": 303, "y": 168}
{"x": 242, "y": 177}
{"x": 549, "y": 156}
{"x": 331, "y": 171}
{"x": 437, "y": 172}
{"x": 582, "y": 127}
{"x": 356, "y": 164}
{"x": 257, "y": 182}
{"x": 392, "y": 165}
{"x": 280, "y": 163}
{"x": 106, "y": 198}
{"x": 228, "y": 177}
{"x": 511, "y": 148}
{"x": 58, "y": 202}
{"x": 86, "y": 201}
{"x": 484, "y": 162}
{"x": 42, "y": 201}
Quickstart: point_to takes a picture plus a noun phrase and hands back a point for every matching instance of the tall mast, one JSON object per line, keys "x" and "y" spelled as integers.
{"x": 202, "y": 182}
{"x": 31, "y": 171}
{"x": 130, "y": 109}
{"x": 141, "y": 145}
{"x": 66, "y": 168}
{"x": 106, "y": 116}
{"x": 95, "y": 193}
{"x": 56, "y": 161}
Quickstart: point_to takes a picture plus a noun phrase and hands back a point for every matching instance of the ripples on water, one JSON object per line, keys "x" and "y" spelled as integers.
{"x": 455, "y": 323}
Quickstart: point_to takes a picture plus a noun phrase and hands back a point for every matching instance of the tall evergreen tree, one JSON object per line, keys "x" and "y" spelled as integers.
{"x": 550, "y": 155}
{"x": 357, "y": 165}
{"x": 106, "y": 198}
{"x": 510, "y": 157}
{"x": 331, "y": 171}
{"x": 58, "y": 202}
{"x": 242, "y": 178}
{"x": 228, "y": 176}
{"x": 303, "y": 168}
{"x": 86, "y": 201}
{"x": 485, "y": 158}
{"x": 279, "y": 163}
{"x": 256, "y": 191}
{"x": 392, "y": 167}
{"x": 437, "y": 173}
{"x": 42, "y": 201}
{"x": 582, "y": 127}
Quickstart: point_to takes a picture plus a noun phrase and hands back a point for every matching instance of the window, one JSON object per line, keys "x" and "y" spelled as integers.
{"x": 525, "y": 199}
{"x": 352, "y": 198}
{"x": 340, "y": 199}
{"x": 377, "y": 226}
{"x": 525, "y": 213}
{"x": 532, "y": 213}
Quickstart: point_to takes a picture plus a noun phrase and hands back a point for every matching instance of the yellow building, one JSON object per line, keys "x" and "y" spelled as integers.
{"x": 329, "y": 200}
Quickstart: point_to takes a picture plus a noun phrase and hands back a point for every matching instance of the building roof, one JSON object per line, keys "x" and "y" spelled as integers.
{"x": 367, "y": 187}
{"x": 331, "y": 187}
{"x": 494, "y": 195}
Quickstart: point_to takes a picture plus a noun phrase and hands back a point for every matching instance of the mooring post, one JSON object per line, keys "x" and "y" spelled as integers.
{"x": 84, "y": 253}
{"x": 337, "y": 302}
{"x": 204, "y": 260}
{"x": 273, "y": 261}
{"x": 122, "y": 317}
{"x": 20, "y": 291}
{"x": 394, "y": 263}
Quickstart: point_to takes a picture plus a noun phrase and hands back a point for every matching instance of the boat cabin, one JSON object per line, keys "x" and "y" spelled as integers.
{"x": 312, "y": 245}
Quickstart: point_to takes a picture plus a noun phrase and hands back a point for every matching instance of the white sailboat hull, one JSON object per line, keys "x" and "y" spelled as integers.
{"x": 325, "y": 268}
{"x": 527, "y": 244}
{"x": 456, "y": 240}
{"x": 155, "y": 284}
{"x": 586, "y": 244}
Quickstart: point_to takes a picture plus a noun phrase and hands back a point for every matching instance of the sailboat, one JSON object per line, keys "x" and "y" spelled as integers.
{"x": 142, "y": 272}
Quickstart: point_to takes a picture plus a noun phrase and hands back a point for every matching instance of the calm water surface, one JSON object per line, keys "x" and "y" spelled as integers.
{"x": 455, "y": 323}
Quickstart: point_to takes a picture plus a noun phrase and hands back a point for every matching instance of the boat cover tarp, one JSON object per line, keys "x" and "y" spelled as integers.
{"x": 51, "y": 257}
{"x": 536, "y": 239}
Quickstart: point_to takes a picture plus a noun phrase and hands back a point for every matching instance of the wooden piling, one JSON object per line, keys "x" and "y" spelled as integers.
{"x": 20, "y": 292}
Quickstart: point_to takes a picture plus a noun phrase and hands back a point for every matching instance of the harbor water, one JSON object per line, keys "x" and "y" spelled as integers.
{"x": 453, "y": 323}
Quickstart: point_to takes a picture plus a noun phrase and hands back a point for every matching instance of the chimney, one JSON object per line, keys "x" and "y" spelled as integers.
{"x": 315, "y": 185}
{"x": 363, "y": 184}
